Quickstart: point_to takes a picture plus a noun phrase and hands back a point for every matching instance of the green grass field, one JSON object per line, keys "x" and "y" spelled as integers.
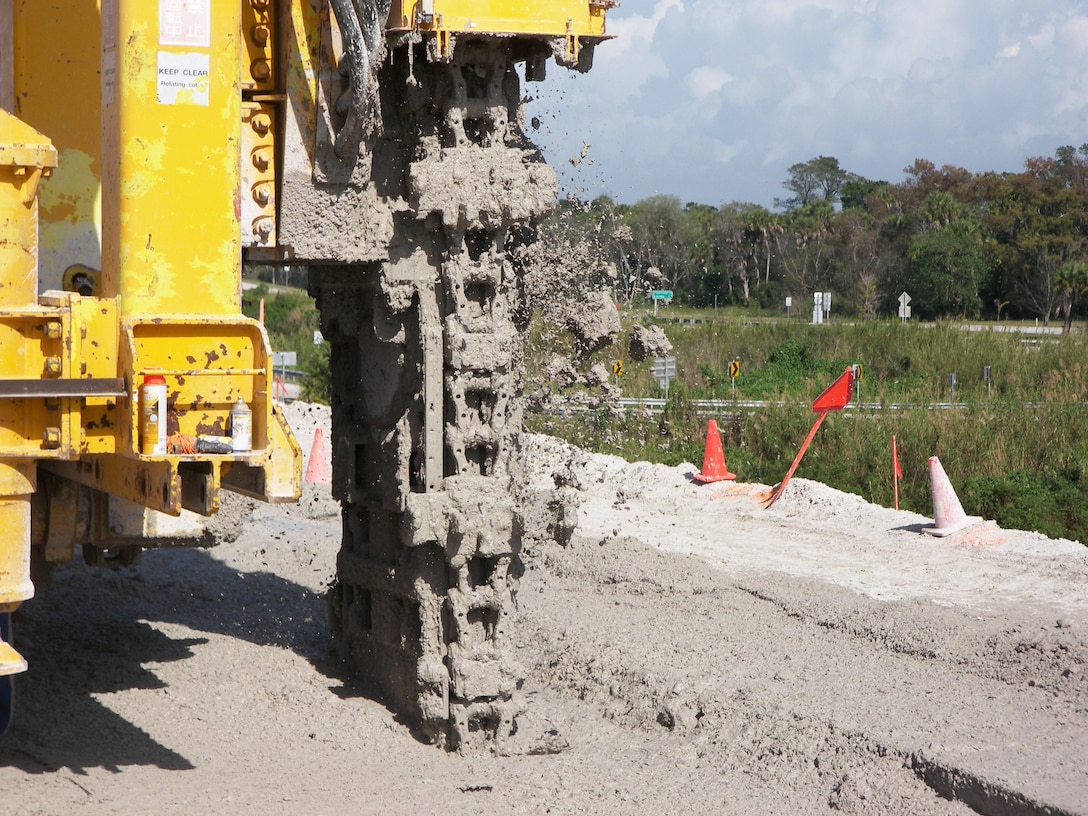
{"x": 1017, "y": 452}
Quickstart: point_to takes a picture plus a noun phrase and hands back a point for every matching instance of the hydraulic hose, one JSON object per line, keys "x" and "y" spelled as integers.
{"x": 361, "y": 23}
{"x": 358, "y": 61}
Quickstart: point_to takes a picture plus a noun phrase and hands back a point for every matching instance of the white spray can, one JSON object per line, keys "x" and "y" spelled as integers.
{"x": 241, "y": 427}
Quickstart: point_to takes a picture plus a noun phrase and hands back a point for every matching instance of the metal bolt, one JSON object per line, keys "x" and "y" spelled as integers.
{"x": 51, "y": 438}
{"x": 54, "y": 366}
{"x": 261, "y": 123}
{"x": 260, "y": 70}
{"x": 262, "y": 227}
{"x": 259, "y": 4}
{"x": 260, "y": 194}
{"x": 260, "y": 159}
{"x": 53, "y": 330}
{"x": 259, "y": 33}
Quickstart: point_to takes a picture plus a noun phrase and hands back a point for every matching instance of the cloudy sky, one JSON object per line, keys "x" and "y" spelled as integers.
{"x": 713, "y": 100}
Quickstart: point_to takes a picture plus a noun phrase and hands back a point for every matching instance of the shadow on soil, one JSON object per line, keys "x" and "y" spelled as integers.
{"x": 92, "y": 633}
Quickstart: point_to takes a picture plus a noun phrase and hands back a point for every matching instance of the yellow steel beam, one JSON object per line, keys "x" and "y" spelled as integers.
{"x": 55, "y": 87}
{"x": 557, "y": 18}
{"x": 7, "y": 55}
{"x": 17, "y": 483}
{"x": 156, "y": 484}
{"x": 170, "y": 156}
{"x": 25, "y": 156}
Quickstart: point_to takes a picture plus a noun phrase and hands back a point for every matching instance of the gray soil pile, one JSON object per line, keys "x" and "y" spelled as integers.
{"x": 686, "y": 652}
{"x": 647, "y": 342}
{"x": 594, "y": 322}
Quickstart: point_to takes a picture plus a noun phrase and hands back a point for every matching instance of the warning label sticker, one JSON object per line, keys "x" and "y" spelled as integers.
{"x": 185, "y": 22}
{"x": 182, "y": 79}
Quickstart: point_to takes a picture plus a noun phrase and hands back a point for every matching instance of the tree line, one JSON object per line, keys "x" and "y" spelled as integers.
{"x": 962, "y": 244}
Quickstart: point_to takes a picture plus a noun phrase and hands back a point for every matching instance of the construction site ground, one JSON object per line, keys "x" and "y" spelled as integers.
{"x": 687, "y": 652}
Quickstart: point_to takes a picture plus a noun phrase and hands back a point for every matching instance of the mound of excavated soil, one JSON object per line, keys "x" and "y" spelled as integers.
{"x": 688, "y": 652}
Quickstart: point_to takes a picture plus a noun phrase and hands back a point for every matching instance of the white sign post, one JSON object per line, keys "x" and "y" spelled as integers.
{"x": 664, "y": 370}
{"x": 904, "y": 308}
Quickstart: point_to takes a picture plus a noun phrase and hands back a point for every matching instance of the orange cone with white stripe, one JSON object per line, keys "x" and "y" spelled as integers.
{"x": 317, "y": 469}
{"x": 714, "y": 469}
{"x": 948, "y": 514}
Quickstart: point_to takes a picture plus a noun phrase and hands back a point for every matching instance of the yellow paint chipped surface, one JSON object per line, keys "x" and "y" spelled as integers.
{"x": 171, "y": 238}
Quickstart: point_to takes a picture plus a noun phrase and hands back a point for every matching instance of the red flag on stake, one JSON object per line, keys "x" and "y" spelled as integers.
{"x": 897, "y": 472}
{"x": 834, "y": 398}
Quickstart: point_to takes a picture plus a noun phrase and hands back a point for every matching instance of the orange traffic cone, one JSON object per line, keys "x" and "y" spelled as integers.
{"x": 317, "y": 469}
{"x": 948, "y": 514}
{"x": 714, "y": 469}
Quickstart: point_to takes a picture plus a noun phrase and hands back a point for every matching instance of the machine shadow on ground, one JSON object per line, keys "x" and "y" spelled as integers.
{"x": 92, "y": 634}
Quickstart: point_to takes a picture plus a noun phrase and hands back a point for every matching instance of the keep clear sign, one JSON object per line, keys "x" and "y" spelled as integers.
{"x": 183, "y": 78}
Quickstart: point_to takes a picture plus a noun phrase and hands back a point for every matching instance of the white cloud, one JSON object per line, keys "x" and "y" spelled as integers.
{"x": 753, "y": 86}
{"x": 928, "y": 71}
{"x": 786, "y": 11}
{"x": 1074, "y": 97}
{"x": 725, "y": 153}
{"x": 706, "y": 80}
{"x": 637, "y": 31}
{"x": 1043, "y": 38}
{"x": 1074, "y": 32}
{"x": 1017, "y": 134}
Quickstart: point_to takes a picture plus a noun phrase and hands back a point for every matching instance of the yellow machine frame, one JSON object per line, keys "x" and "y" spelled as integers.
{"x": 570, "y": 19}
{"x": 156, "y": 183}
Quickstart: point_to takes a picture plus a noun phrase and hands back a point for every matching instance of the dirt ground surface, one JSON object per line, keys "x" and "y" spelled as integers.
{"x": 688, "y": 652}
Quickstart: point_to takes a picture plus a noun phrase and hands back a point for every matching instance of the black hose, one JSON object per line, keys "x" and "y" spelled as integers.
{"x": 361, "y": 25}
{"x": 373, "y": 15}
{"x": 358, "y": 60}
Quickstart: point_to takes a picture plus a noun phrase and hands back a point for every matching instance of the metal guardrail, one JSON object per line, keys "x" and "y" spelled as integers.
{"x": 657, "y": 404}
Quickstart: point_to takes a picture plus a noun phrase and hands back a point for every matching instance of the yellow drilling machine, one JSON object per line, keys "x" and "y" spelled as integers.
{"x": 149, "y": 150}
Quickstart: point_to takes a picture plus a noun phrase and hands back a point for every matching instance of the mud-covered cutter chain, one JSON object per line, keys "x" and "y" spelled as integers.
{"x": 426, "y": 367}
